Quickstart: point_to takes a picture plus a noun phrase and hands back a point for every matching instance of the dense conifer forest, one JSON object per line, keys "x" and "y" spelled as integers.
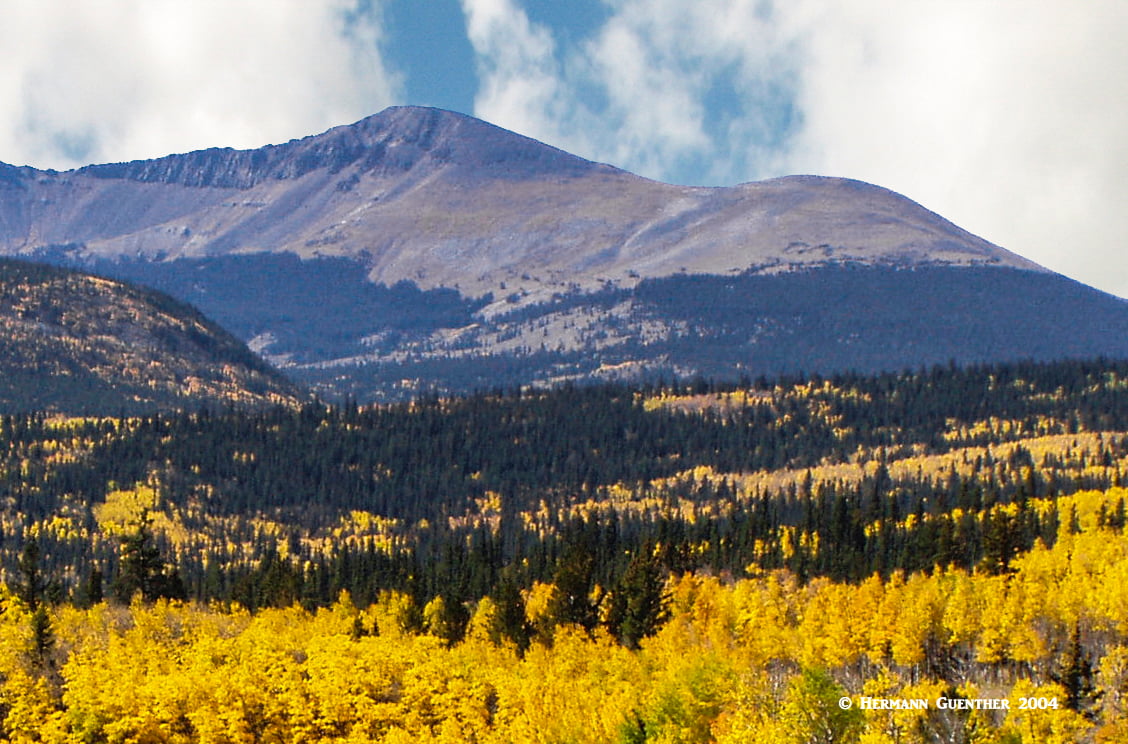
{"x": 949, "y": 531}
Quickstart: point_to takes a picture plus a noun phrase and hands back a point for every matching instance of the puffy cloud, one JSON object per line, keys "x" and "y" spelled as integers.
{"x": 125, "y": 79}
{"x": 1006, "y": 117}
{"x": 522, "y": 84}
{"x": 637, "y": 93}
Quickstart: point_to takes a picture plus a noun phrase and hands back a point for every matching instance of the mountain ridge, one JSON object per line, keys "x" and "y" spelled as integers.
{"x": 423, "y": 249}
{"x": 445, "y": 200}
{"x": 394, "y": 140}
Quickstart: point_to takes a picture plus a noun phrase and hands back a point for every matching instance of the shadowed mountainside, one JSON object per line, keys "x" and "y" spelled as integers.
{"x": 77, "y": 343}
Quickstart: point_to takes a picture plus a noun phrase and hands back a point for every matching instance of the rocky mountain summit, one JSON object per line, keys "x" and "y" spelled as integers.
{"x": 445, "y": 200}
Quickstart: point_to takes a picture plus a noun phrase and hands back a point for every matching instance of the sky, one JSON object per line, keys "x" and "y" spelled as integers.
{"x": 1008, "y": 117}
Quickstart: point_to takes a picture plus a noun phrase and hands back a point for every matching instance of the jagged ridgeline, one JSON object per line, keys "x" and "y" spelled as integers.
{"x": 839, "y": 477}
{"x": 76, "y": 343}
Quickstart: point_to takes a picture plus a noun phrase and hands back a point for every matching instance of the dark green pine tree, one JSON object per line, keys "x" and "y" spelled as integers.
{"x": 31, "y": 590}
{"x": 509, "y": 622}
{"x": 639, "y": 602}
{"x": 1000, "y": 543}
{"x": 89, "y": 591}
{"x": 31, "y": 585}
{"x": 1076, "y": 674}
{"x": 142, "y": 569}
{"x": 42, "y": 636}
{"x": 571, "y": 602}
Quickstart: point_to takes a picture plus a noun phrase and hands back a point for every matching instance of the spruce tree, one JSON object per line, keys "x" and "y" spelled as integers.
{"x": 639, "y": 603}
{"x": 571, "y": 602}
{"x": 509, "y": 621}
{"x": 31, "y": 591}
{"x": 142, "y": 569}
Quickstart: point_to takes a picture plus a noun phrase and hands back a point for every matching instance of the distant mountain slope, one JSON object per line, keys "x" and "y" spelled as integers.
{"x": 77, "y": 343}
{"x": 442, "y": 199}
{"x": 420, "y": 248}
{"x": 824, "y": 320}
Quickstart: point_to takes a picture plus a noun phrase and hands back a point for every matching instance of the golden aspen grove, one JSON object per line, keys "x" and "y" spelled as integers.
{"x": 933, "y": 556}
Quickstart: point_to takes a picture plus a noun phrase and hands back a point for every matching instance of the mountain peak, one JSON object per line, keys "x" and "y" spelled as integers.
{"x": 395, "y": 141}
{"x": 441, "y": 199}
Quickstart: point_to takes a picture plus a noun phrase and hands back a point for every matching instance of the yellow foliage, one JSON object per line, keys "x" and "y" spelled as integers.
{"x": 1038, "y": 714}
{"x": 755, "y": 660}
{"x": 123, "y": 508}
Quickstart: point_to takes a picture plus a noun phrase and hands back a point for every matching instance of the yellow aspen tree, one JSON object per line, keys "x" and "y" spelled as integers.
{"x": 963, "y": 609}
{"x": 811, "y": 712}
{"x": 918, "y": 623}
{"x": 768, "y": 617}
{"x": 828, "y": 626}
{"x": 1026, "y": 645}
{"x": 549, "y": 698}
{"x": 537, "y": 610}
{"x": 751, "y": 713}
{"x": 898, "y": 725}
{"x": 1038, "y": 715}
{"x": 32, "y": 713}
{"x": 865, "y": 610}
{"x": 880, "y": 647}
{"x": 998, "y": 625}
{"x": 1112, "y": 690}
{"x": 481, "y": 620}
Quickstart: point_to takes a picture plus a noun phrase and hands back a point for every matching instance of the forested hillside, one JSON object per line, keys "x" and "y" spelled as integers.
{"x": 700, "y": 563}
{"x": 343, "y": 335}
{"x": 75, "y": 343}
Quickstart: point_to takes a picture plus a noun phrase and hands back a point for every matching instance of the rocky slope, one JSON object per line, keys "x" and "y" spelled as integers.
{"x": 442, "y": 199}
{"x": 75, "y": 343}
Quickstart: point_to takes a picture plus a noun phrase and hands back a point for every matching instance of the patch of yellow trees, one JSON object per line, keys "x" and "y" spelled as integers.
{"x": 758, "y": 659}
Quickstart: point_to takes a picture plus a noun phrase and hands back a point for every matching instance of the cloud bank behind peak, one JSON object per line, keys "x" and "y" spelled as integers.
{"x": 122, "y": 80}
{"x": 1006, "y": 117}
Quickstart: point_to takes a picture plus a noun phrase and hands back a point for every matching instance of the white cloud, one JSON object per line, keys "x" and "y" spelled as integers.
{"x": 522, "y": 84}
{"x": 1007, "y": 117}
{"x": 633, "y": 94}
{"x": 519, "y": 75}
{"x": 124, "y": 79}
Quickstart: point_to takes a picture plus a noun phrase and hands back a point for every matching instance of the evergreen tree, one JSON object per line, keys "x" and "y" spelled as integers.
{"x": 42, "y": 636}
{"x": 31, "y": 586}
{"x": 445, "y": 620}
{"x": 31, "y": 591}
{"x": 142, "y": 569}
{"x": 571, "y": 602}
{"x": 89, "y": 592}
{"x": 640, "y": 602}
{"x": 1076, "y": 674}
{"x": 509, "y": 621}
